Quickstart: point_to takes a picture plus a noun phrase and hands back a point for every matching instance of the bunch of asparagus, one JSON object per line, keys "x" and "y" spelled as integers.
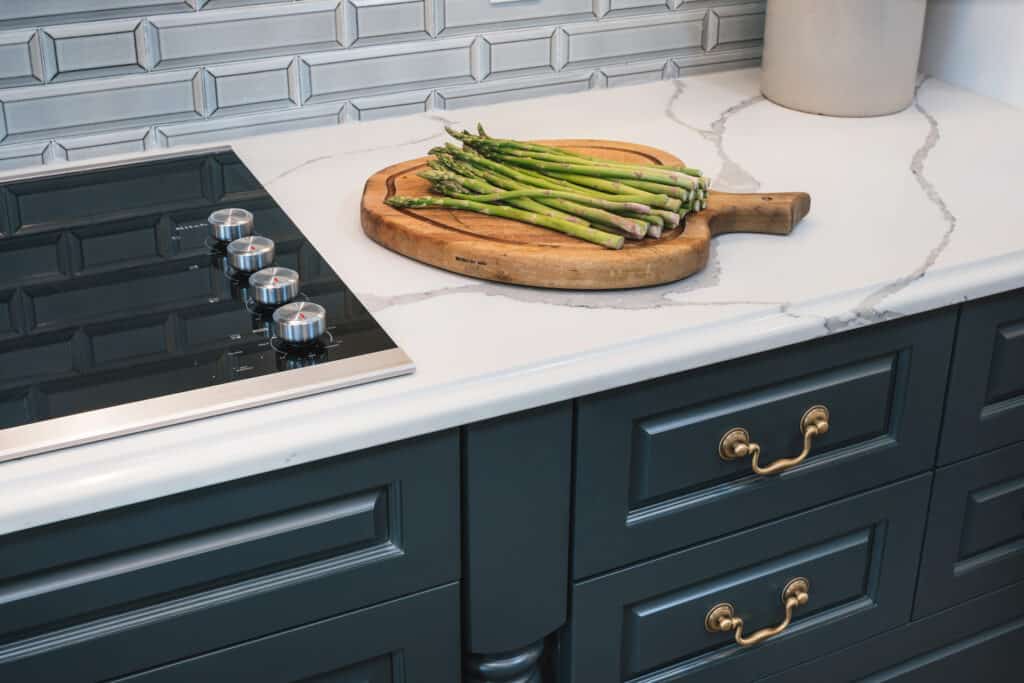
{"x": 593, "y": 199}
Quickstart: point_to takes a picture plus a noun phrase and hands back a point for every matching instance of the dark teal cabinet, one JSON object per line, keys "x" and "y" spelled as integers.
{"x": 596, "y": 540}
{"x": 648, "y": 622}
{"x": 649, "y": 475}
{"x": 409, "y": 640}
{"x": 169, "y": 579}
{"x": 975, "y": 540}
{"x": 985, "y": 408}
{"x": 978, "y": 641}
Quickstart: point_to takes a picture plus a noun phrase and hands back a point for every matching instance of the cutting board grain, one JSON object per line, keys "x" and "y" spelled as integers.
{"x": 507, "y": 251}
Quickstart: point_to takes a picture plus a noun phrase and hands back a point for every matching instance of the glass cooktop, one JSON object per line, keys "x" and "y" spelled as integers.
{"x": 126, "y": 303}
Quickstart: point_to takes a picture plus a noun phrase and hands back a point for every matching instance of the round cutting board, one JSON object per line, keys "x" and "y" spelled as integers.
{"x": 508, "y": 251}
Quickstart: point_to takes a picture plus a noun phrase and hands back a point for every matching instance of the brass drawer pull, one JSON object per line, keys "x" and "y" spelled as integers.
{"x": 736, "y": 443}
{"x": 722, "y": 617}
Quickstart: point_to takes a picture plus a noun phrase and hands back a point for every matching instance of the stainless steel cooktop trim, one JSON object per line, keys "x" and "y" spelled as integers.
{"x": 163, "y": 411}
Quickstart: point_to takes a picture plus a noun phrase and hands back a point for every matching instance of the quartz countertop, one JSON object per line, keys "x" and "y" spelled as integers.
{"x": 910, "y": 212}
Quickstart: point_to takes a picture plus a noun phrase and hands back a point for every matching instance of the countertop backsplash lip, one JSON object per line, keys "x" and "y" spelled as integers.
{"x": 938, "y": 235}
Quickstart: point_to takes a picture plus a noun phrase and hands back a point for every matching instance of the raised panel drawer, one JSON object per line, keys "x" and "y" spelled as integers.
{"x": 934, "y": 647}
{"x": 649, "y": 475}
{"x": 169, "y": 578}
{"x": 410, "y": 640}
{"x": 975, "y": 538}
{"x": 985, "y": 409}
{"x": 647, "y": 623}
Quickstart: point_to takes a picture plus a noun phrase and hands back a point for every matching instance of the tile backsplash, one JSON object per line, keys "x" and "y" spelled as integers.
{"x": 82, "y": 78}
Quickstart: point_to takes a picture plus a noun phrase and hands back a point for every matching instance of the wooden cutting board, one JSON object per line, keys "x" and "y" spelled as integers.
{"x": 507, "y": 251}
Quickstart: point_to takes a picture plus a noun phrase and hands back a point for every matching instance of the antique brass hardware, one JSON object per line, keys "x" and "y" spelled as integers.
{"x": 737, "y": 444}
{"x": 722, "y": 617}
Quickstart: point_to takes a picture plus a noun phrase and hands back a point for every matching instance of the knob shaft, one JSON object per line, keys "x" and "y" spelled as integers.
{"x": 227, "y": 225}
{"x": 300, "y": 322}
{"x": 274, "y": 286}
{"x": 249, "y": 254}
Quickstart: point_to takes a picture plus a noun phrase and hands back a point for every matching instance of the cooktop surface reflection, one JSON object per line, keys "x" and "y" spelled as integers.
{"x": 140, "y": 295}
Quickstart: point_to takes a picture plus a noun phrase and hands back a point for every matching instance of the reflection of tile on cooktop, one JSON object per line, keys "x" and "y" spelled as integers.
{"x": 130, "y": 339}
{"x": 228, "y": 322}
{"x": 289, "y": 259}
{"x": 270, "y": 221}
{"x": 30, "y": 258}
{"x": 99, "y": 296}
{"x": 119, "y": 244}
{"x": 50, "y": 355}
{"x": 135, "y": 189}
{"x": 235, "y": 177}
{"x": 313, "y": 265}
{"x": 100, "y": 390}
{"x": 14, "y": 408}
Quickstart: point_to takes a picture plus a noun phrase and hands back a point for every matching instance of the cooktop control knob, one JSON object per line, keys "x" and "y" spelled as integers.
{"x": 274, "y": 286}
{"x": 227, "y": 225}
{"x": 300, "y": 322}
{"x": 249, "y": 254}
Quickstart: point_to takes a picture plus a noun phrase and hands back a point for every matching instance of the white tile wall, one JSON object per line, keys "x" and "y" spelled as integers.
{"x": 81, "y": 78}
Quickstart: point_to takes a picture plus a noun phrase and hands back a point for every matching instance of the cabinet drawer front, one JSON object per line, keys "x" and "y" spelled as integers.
{"x": 993, "y": 656}
{"x": 917, "y": 646}
{"x": 411, "y": 640}
{"x": 985, "y": 409}
{"x": 975, "y": 538}
{"x": 647, "y": 623}
{"x": 649, "y": 474}
{"x": 255, "y": 556}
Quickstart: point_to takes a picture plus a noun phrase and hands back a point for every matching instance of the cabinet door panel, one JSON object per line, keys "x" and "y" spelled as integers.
{"x": 647, "y": 622}
{"x": 975, "y": 538}
{"x": 650, "y": 477}
{"x": 201, "y": 570}
{"x": 985, "y": 408}
{"x": 410, "y": 640}
{"x": 930, "y": 646}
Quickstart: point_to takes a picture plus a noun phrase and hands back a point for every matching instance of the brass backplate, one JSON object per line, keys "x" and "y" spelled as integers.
{"x": 722, "y": 610}
{"x": 732, "y": 438}
{"x": 796, "y": 586}
{"x": 813, "y": 415}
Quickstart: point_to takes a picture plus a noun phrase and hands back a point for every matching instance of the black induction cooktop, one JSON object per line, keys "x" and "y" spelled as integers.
{"x": 122, "y": 309}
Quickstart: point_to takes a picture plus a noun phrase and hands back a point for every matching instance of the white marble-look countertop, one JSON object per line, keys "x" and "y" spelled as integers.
{"x": 910, "y": 212}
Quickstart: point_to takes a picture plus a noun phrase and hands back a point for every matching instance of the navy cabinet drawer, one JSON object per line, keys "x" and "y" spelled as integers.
{"x": 935, "y": 647}
{"x": 410, "y": 640}
{"x": 975, "y": 538}
{"x": 649, "y": 474}
{"x": 216, "y": 566}
{"x": 647, "y": 623}
{"x": 985, "y": 409}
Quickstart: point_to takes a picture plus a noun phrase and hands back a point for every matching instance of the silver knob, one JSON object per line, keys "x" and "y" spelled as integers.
{"x": 274, "y": 286}
{"x": 300, "y": 322}
{"x": 249, "y": 254}
{"x": 227, "y": 225}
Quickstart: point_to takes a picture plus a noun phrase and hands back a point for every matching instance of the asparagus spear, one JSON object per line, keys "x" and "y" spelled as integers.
{"x": 516, "y": 148}
{"x": 605, "y": 239}
{"x": 465, "y": 178}
{"x": 605, "y": 171}
{"x": 631, "y": 227}
{"x": 618, "y": 187}
{"x": 619, "y": 204}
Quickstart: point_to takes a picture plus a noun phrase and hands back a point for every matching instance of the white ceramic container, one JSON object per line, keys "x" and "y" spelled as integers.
{"x": 842, "y": 57}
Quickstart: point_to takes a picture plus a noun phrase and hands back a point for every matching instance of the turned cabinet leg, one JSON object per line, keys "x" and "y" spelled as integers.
{"x": 517, "y": 666}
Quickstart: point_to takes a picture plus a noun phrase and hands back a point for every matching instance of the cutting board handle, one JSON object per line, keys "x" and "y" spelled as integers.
{"x": 769, "y": 213}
